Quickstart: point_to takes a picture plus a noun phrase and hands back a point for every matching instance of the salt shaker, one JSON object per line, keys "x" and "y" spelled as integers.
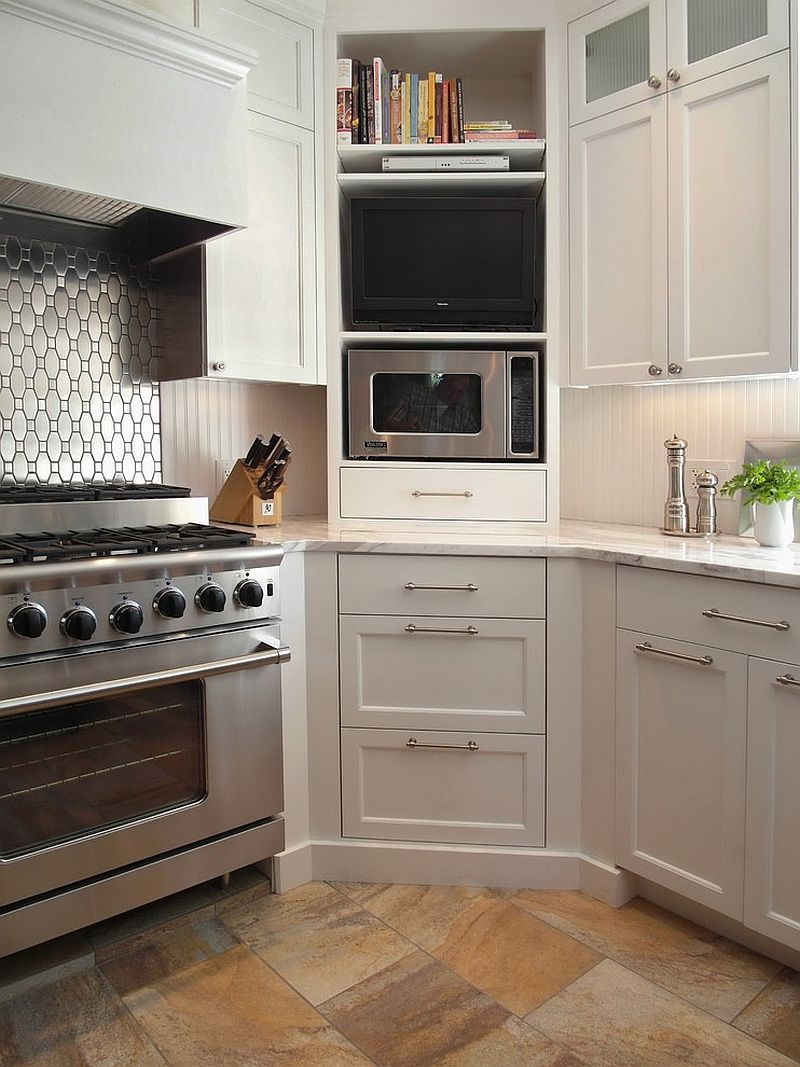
{"x": 676, "y": 508}
{"x": 707, "y": 503}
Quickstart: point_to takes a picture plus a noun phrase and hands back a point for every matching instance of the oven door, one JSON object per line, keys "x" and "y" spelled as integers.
{"x": 111, "y": 757}
{"x": 427, "y": 405}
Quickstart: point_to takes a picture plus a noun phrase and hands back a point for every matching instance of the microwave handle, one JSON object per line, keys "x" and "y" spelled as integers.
{"x": 98, "y": 690}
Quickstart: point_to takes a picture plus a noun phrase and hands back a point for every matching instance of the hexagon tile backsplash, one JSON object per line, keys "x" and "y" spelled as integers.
{"x": 77, "y": 351}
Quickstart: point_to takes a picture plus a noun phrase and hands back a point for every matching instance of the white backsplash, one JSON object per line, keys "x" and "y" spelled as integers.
{"x": 612, "y": 455}
{"x": 205, "y": 421}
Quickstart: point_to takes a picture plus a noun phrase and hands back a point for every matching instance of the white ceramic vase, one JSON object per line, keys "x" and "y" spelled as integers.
{"x": 773, "y": 524}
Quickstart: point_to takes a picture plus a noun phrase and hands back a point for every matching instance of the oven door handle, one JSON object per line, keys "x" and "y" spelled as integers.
{"x": 98, "y": 690}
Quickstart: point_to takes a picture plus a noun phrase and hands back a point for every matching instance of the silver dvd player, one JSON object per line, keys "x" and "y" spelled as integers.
{"x": 404, "y": 164}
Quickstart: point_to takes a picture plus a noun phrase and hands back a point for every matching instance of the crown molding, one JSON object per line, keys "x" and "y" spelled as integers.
{"x": 115, "y": 25}
{"x": 308, "y": 10}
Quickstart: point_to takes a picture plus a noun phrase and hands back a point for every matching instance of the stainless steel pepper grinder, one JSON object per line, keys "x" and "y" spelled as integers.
{"x": 676, "y": 509}
{"x": 707, "y": 503}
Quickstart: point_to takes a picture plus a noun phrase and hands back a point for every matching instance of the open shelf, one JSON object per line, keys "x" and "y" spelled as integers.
{"x": 443, "y": 183}
{"x": 434, "y": 337}
{"x": 524, "y": 155}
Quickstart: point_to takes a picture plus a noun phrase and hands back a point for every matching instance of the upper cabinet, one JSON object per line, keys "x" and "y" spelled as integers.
{"x": 680, "y": 191}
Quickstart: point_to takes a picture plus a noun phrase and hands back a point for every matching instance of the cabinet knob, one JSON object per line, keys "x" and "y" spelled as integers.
{"x": 218, "y": 366}
{"x": 674, "y": 74}
{"x": 654, "y": 81}
{"x": 675, "y": 368}
{"x": 654, "y": 371}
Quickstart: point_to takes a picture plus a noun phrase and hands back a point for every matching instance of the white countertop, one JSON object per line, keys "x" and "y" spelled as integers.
{"x": 727, "y": 557}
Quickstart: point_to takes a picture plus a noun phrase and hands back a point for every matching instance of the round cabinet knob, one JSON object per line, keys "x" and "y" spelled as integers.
{"x": 218, "y": 367}
{"x": 79, "y": 624}
{"x": 28, "y": 620}
{"x": 170, "y": 603}
{"x": 654, "y": 371}
{"x": 249, "y": 594}
{"x": 210, "y": 598}
{"x": 675, "y": 368}
{"x": 674, "y": 74}
{"x": 127, "y": 617}
{"x": 654, "y": 81}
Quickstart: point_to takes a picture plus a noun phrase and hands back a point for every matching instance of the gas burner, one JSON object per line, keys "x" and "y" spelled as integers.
{"x": 189, "y": 536}
{"x": 47, "y": 547}
{"x": 45, "y": 493}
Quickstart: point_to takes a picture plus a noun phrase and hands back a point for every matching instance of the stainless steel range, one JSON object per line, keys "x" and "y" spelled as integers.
{"x": 140, "y": 713}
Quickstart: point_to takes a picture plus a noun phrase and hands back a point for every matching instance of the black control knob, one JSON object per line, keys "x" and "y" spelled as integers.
{"x": 249, "y": 593}
{"x": 210, "y": 598}
{"x": 28, "y": 620}
{"x": 127, "y": 617}
{"x": 79, "y": 624}
{"x": 170, "y": 603}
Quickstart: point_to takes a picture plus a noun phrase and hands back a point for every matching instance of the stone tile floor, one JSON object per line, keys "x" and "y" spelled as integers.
{"x": 395, "y": 975}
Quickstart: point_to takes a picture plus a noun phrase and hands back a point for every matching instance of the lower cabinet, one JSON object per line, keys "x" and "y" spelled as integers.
{"x": 772, "y": 872}
{"x": 470, "y": 788}
{"x": 681, "y": 740}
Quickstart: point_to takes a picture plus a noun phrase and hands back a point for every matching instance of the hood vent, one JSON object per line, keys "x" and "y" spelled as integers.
{"x": 64, "y": 203}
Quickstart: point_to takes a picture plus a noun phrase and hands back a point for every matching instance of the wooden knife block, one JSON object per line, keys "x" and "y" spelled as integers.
{"x": 240, "y": 502}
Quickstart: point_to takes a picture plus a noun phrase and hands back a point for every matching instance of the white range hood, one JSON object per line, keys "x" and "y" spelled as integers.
{"x": 105, "y": 111}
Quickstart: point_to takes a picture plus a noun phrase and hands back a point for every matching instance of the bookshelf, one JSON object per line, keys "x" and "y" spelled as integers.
{"x": 366, "y": 158}
{"x": 444, "y": 183}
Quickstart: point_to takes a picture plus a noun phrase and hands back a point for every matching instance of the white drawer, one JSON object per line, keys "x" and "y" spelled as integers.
{"x": 672, "y": 605}
{"x": 493, "y": 794}
{"x": 469, "y": 494}
{"x": 480, "y": 586}
{"x": 433, "y": 673}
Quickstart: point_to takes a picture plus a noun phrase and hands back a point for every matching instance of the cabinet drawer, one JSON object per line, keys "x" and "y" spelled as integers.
{"x": 442, "y": 585}
{"x": 672, "y": 605}
{"x": 492, "y": 794}
{"x": 469, "y": 494}
{"x": 433, "y": 673}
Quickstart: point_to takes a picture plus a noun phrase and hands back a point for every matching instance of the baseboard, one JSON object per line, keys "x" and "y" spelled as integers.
{"x": 610, "y": 884}
{"x": 292, "y": 868}
{"x": 428, "y": 864}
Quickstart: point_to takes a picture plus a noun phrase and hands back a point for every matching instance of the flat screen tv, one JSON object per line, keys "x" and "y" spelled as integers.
{"x": 447, "y": 263}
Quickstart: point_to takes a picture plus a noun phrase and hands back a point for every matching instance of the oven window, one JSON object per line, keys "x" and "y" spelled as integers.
{"x": 72, "y": 770}
{"x": 426, "y": 403}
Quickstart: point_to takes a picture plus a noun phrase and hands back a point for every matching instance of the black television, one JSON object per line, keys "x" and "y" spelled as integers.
{"x": 447, "y": 263}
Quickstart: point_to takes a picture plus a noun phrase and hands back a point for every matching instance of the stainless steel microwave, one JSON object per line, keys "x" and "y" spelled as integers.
{"x": 440, "y": 404}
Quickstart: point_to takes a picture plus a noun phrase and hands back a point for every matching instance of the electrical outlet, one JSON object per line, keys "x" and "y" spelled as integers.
{"x": 223, "y": 469}
{"x": 694, "y": 467}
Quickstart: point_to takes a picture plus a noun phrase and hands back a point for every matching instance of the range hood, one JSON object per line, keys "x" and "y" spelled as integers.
{"x": 118, "y": 129}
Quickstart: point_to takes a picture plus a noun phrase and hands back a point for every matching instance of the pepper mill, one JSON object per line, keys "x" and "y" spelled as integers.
{"x": 676, "y": 508}
{"x": 707, "y": 503}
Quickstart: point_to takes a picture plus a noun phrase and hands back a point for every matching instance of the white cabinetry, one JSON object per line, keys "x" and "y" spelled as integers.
{"x": 261, "y": 283}
{"x": 443, "y": 716}
{"x": 705, "y": 145}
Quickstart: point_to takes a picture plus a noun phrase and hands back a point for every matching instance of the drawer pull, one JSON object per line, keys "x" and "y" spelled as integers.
{"x": 412, "y": 629}
{"x": 470, "y": 587}
{"x": 471, "y": 746}
{"x": 787, "y": 679}
{"x": 418, "y": 492}
{"x": 647, "y": 647}
{"x": 712, "y": 613}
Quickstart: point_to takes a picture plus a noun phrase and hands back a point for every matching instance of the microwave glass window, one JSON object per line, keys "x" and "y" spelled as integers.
{"x": 426, "y": 403}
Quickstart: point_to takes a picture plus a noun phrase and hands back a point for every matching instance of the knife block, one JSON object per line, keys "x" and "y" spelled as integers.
{"x": 239, "y": 501}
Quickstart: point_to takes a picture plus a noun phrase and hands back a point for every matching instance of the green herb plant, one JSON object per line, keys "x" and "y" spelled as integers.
{"x": 765, "y": 482}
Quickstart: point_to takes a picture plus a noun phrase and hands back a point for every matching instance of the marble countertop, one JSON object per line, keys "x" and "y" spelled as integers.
{"x": 728, "y": 557}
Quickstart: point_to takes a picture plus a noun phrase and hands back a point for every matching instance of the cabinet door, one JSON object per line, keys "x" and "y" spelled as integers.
{"x": 433, "y": 673}
{"x": 618, "y": 246}
{"x": 617, "y": 57}
{"x": 681, "y": 722}
{"x": 261, "y": 281}
{"x": 281, "y": 84}
{"x": 705, "y": 37}
{"x": 730, "y": 222}
{"x": 772, "y": 878}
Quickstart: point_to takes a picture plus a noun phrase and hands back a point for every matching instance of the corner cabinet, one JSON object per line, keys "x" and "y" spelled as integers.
{"x": 680, "y": 191}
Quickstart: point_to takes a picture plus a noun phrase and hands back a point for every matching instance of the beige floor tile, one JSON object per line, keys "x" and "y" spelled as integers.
{"x": 73, "y": 1021}
{"x": 774, "y": 1016}
{"x": 158, "y": 953}
{"x": 615, "y": 1018}
{"x": 422, "y": 913}
{"x": 512, "y": 956}
{"x": 234, "y": 1011}
{"x": 44, "y": 964}
{"x": 319, "y": 941}
{"x": 702, "y": 967}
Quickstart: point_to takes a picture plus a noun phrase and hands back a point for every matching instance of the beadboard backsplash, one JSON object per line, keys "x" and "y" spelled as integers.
{"x": 612, "y": 440}
{"x": 209, "y": 421}
{"x": 77, "y": 350}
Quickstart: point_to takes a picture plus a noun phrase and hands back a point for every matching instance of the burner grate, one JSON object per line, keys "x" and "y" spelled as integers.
{"x": 48, "y": 547}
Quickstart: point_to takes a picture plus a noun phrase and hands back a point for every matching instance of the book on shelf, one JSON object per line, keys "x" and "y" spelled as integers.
{"x": 476, "y": 136}
{"x": 378, "y": 81}
{"x": 344, "y": 101}
{"x": 395, "y": 109}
